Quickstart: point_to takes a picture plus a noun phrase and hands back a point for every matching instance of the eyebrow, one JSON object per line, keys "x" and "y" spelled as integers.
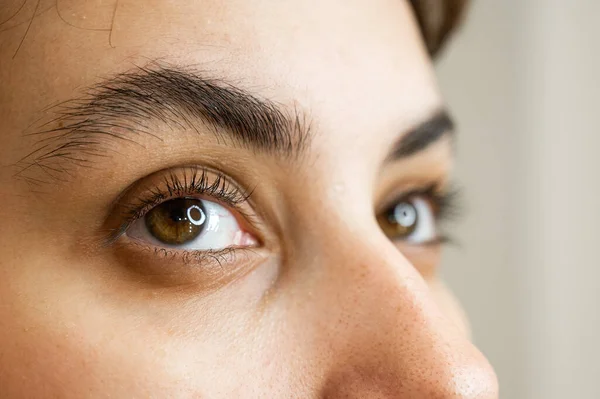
{"x": 121, "y": 106}
{"x": 422, "y": 136}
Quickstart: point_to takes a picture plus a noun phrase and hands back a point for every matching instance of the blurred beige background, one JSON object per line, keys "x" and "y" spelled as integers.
{"x": 522, "y": 80}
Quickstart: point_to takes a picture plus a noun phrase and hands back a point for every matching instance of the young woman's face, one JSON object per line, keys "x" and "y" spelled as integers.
{"x": 224, "y": 199}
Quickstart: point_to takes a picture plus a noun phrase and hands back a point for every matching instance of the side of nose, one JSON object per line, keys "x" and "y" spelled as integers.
{"x": 388, "y": 337}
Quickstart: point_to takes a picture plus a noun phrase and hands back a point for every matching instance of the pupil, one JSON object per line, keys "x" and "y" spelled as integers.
{"x": 178, "y": 215}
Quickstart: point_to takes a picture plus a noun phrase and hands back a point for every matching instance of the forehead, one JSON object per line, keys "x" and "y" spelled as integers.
{"x": 359, "y": 61}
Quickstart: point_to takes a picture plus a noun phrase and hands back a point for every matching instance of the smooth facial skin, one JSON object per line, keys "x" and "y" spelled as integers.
{"x": 310, "y": 120}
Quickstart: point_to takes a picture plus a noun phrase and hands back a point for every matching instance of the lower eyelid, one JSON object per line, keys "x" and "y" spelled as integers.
{"x": 198, "y": 270}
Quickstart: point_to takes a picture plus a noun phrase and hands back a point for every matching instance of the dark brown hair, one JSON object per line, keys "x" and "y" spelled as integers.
{"x": 438, "y": 19}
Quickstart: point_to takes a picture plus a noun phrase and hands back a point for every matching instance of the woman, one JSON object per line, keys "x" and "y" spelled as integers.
{"x": 217, "y": 199}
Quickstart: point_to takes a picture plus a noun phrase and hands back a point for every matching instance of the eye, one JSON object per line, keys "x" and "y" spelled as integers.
{"x": 192, "y": 224}
{"x": 412, "y": 220}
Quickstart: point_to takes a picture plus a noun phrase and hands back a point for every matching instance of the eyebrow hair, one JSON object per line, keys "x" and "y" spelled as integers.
{"x": 120, "y": 107}
{"x": 423, "y": 135}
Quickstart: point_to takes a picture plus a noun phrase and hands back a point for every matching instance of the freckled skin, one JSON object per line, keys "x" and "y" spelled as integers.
{"x": 329, "y": 308}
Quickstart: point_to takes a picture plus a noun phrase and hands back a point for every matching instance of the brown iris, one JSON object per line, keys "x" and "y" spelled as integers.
{"x": 177, "y": 221}
{"x": 399, "y": 221}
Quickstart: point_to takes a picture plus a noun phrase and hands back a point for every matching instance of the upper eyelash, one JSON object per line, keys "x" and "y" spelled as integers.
{"x": 447, "y": 202}
{"x": 449, "y": 207}
{"x": 193, "y": 183}
{"x": 222, "y": 187}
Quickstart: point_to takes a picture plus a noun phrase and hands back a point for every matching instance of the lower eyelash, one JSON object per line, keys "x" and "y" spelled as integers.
{"x": 219, "y": 257}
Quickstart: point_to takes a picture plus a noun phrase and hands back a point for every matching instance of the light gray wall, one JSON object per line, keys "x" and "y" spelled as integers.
{"x": 522, "y": 80}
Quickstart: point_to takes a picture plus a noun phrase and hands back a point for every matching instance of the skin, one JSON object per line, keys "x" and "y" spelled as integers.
{"x": 325, "y": 306}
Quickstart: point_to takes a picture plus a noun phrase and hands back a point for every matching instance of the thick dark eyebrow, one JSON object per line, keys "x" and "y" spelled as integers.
{"x": 422, "y": 136}
{"x": 121, "y": 107}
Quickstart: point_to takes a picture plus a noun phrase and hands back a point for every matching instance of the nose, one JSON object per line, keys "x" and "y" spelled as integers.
{"x": 386, "y": 336}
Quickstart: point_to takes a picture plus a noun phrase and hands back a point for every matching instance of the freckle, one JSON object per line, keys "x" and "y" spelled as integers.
{"x": 61, "y": 124}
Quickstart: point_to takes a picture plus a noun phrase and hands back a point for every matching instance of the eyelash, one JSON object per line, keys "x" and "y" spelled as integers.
{"x": 447, "y": 202}
{"x": 446, "y": 206}
{"x": 197, "y": 182}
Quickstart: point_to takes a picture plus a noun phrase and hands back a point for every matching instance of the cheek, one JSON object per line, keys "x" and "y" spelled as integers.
{"x": 64, "y": 333}
{"x": 62, "y": 343}
{"x": 49, "y": 356}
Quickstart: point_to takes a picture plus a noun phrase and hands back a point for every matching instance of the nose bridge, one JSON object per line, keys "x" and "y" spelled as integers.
{"x": 389, "y": 337}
